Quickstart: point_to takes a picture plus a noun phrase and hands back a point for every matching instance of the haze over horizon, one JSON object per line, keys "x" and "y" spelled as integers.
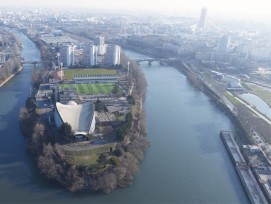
{"x": 235, "y": 8}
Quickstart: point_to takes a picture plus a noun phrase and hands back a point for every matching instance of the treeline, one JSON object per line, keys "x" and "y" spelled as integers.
{"x": 46, "y": 54}
{"x": 41, "y": 142}
{"x": 10, "y": 44}
{"x": 119, "y": 172}
{"x": 114, "y": 169}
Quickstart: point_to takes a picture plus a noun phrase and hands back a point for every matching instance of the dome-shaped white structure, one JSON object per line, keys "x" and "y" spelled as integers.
{"x": 71, "y": 103}
{"x": 80, "y": 116}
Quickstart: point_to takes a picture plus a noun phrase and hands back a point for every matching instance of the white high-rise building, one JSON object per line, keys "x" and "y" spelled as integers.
{"x": 223, "y": 44}
{"x": 67, "y": 55}
{"x": 99, "y": 41}
{"x": 202, "y": 18}
{"x": 90, "y": 55}
{"x": 112, "y": 55}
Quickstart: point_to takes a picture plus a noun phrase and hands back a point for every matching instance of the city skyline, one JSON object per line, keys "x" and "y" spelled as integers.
{"x": 240, "y": 8}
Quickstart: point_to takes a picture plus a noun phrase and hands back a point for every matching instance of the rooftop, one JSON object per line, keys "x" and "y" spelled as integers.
{"x": 78, "y": 116}
{"x": 70, "y": 73}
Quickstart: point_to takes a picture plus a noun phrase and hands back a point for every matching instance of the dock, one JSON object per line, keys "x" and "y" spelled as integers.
{"x": 246, "y": 176}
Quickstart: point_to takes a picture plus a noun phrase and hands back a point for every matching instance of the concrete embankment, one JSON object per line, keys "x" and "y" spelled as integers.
{"x": 249, "y": 182}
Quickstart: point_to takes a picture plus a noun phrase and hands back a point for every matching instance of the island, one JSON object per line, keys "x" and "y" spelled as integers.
{"x": 84, "y": 121}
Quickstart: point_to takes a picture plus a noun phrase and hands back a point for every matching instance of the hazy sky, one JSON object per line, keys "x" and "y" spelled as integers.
{"x": 257, "y": 8}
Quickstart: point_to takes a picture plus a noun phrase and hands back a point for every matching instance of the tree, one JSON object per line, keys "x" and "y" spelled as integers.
{"x": 65, "y": 131}
{"x": 114, "y": 161}
{"x": 102, "y": 158}
{"x": 37, "y": 138}
{"x": 131, "y": 99}
{"x": 99, "y": 106}
{"x": 30, "y": 104}
{"x": 75, "y": 181}
{"x": 115, "y": 89}
{"x": 47, "y": 163}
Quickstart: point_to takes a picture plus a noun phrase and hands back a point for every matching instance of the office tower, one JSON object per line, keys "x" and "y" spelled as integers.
{"x": 202, "y": 18}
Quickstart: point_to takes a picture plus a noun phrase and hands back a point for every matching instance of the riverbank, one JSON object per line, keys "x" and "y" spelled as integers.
{"x": 100, "y": 170}
{"x": 11, "y": 76}
{"x": 173, "y": 131}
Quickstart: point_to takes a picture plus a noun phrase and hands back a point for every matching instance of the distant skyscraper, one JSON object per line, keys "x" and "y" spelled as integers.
{"x": 67, "y": 55}
{"x": 202, "y": 18}
{"x": 113, "y": 55}
{"x": 223, "y": 44}
{"x": 90, "y": 55}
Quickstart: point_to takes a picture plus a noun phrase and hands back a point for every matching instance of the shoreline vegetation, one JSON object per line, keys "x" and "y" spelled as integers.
{"x": 114, "y": 169}
{"x": 10, "y": 77}
{"x": 12, "y": 65}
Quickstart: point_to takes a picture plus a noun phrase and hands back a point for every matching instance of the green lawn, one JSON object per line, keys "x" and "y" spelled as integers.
{"x": 69, "y": 73}
{"x": 231, "y": 98}
{"x": 94, "y": 89}
{"x": 100, "y": 88}
{"x": 120, "y": 118}
{"x": 87, "y": 157}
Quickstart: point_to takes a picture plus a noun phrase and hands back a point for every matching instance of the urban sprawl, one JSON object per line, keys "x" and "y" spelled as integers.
{"x": 88, "y": 82}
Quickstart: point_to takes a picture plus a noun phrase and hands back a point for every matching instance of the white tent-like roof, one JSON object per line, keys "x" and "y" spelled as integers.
{"x": 79, "y": 116}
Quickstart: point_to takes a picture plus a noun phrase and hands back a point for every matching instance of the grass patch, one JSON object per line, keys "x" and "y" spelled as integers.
{"x": 99, "y": 88}
{"x": 87, "y": 157}
{"x": 231, "y": 98}
{"x": 120, "y": 118}
{"x": 94, "y": 87}
{"x": 69, "y": 73}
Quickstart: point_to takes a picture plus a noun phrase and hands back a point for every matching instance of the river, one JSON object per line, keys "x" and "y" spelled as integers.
{"x": 259, "y": 104}
{"x": 186, "y": 162}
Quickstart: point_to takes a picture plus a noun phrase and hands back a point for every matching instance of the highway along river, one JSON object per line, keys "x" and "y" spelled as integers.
{"x": 186, "y": 162}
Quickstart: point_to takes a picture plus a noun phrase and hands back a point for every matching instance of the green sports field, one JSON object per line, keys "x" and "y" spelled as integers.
{"x": 69, "y": 73}
{"x": 100, "y": 88}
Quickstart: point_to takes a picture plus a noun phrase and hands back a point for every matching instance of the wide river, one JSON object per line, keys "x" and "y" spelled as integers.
{"x": 186, "y": 162}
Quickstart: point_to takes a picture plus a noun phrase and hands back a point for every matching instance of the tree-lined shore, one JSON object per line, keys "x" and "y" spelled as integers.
{"x": 9, "y": 45}
{"x": 114, "y": 169}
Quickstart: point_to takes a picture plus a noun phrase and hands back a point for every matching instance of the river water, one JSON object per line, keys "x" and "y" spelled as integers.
{"x": 259, "y": 104}
{"x": 186, "y": 162}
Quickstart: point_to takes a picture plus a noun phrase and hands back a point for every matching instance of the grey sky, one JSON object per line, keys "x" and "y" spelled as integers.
{"x": 257, "y": 8}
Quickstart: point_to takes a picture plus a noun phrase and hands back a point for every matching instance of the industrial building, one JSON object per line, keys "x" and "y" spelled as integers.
{"x": 81, "y": 117}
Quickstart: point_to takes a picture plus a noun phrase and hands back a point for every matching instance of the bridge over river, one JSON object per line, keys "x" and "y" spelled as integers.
{"x": 150, "y": 60}
{"x": 34, "y": 63}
